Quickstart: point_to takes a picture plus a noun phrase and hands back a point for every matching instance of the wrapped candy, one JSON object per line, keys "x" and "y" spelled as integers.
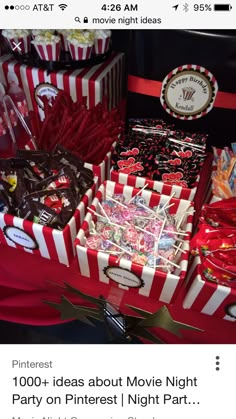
{"x": 133, "y": 230}
{"x": 43, "y": 187}
{"x": 155, "y": 150}
{"x": 215, "y": 242}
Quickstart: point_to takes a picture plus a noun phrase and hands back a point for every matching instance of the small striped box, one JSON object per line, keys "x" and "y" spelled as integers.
{"x": 208, "y": 297}
{"x": 44, "y": 241}
{"x": 103, "y": 170}
{"x": 129, "y": 276}
{"x": 168, "y": 189}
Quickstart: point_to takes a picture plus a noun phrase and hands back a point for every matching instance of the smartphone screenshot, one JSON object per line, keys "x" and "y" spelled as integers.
{"x": 117, "y": 209}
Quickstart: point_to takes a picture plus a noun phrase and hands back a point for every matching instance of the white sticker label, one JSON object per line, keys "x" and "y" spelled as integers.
{"x": 20, "y": 237}
{"x": 188, "y": 92}
{"x": 123, "y": 277}
{"x": 231, "y": 310}
{"x": 45, "y": 89}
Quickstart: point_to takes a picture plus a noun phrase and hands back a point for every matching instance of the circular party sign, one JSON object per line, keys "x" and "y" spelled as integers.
{"x": 188, "y": 92}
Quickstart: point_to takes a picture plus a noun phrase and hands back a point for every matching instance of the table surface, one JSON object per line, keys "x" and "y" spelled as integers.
{"x": 26, "y": 280}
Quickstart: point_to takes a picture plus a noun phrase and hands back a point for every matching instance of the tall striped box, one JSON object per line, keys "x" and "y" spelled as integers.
{"x": 128, "y": 276}
{"x": 44, "y": 241}
{"x": 94, "y": 82}
{"x": 208, "y": 297}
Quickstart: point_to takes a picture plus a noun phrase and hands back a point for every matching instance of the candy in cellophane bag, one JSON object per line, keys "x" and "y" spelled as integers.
{"x": 224, "y": 175}
{"x": 220, "y": 266}
{"x": 221, "y": 213}
{"x": 215, "y": 242}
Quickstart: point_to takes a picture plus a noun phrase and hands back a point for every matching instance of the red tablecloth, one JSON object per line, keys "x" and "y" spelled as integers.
{"x": 26, "y": 280}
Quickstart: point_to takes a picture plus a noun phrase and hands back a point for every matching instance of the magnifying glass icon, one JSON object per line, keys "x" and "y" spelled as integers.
{"x": 77, "y": 19}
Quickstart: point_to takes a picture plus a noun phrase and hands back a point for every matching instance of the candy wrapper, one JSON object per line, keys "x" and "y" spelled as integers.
{"x": 155, "y": 150}
{"x": 215, "y": 242}
{"x": 136, "y": 239}
{"x": 224, "y": 173}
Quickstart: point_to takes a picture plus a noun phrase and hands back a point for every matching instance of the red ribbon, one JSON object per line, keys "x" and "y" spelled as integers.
{"x": 153, "y": 88}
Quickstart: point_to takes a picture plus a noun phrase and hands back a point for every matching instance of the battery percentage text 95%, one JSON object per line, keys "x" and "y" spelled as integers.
{"x": 202, "y": 7}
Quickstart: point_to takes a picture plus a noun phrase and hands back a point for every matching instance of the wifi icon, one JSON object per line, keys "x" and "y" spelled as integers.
{"x": 62, "y": 6}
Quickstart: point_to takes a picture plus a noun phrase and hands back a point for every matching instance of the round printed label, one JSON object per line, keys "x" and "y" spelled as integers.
{"x": 45, "y": 89}
{"x": 123, "y": 277}
{"x": 20, "y": 237}
{"x": 231, "y": 310}
{"x": 189, "y": 92}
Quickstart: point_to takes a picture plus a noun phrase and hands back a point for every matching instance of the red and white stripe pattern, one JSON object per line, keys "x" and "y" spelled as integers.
{"x": 80, "y": 53}
{"x": 104, "y": 79}
{"x": 64, "y": 42}
{"x": 156, "y": 284}
{"x": 207, "y": 297}
{"x": 160, "y": 187}
{"x": 49, "y": 52}
{"x": 101, "y": 45}
{"x": 103, "y": 170}
{"x": 20, "y": 45}
{"x": 51, "y": 243}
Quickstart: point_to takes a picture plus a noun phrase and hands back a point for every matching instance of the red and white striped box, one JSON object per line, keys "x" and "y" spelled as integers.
{"x": 20, "y": 45}
{"x": 208, "y": 297}
{"x": 44, "y": 241}
{"x": 48, "y": 52}
{"x": 167, "y": 189}
{"x": 128, "y": 276}
{"x": 155, "y": 185}
{"x": 80, "y": 53}
{"x": 103, "y": 170}
{"x": 95, "y": 82}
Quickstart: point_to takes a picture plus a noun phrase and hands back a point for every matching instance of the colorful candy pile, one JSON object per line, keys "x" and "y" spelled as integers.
{"x": 147, "y": 236}
{"x": 43, "y": 187}
{"x": 224, "y": 175}
{"x": 158, "y": 151}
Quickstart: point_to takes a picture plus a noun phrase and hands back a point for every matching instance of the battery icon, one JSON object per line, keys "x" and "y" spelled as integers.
{"x": 222, "y": 7}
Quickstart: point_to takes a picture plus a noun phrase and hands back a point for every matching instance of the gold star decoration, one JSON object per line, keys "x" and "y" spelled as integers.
{"x": 135, "y": 325}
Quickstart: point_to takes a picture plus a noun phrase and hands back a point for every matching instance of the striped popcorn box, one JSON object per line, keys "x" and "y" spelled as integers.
{"x": 44, "y": 241}
{"x": 20, "y": 45}
{"x": 48, "y": 52}
{"x": 208, "y": 297}
{"x": 126, "y": 275}
{"x": 64, "y": 42}
{"x": 80, "y": 53}
{"x": 101, "y": 45}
